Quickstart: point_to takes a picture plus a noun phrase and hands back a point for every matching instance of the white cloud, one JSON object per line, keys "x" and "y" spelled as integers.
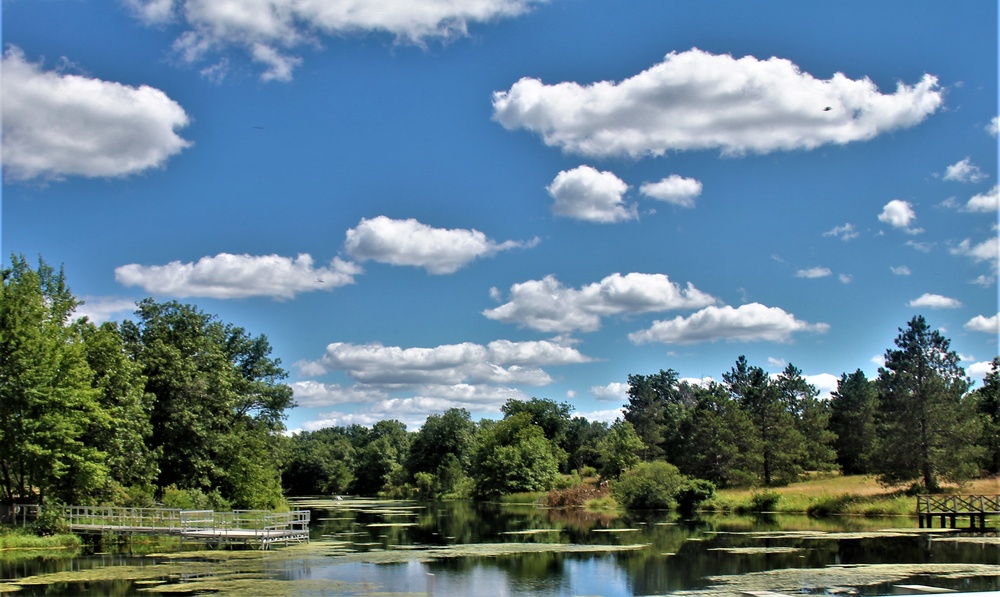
{"x": 309, "y": 394}
{"x": 988, "y": 250}
{"x": 899, "y": 214}
{"x": 602, "y": 416}
{"x": 548, "y": 306}
{"x": 99, "y": 309}
{"x": 227, "y": 276}
{"x": 979, "y": 371}
{"x": 813, "y": 272}
{"x": 268, "y": 29}
{"x": 935, "y": 301}
{"x": 993, "y": 126}
{"x": 613, "y": 392}
{"x": 57, "y": 125}
{"x": 988, "y": 202}
{"x": 500, "y": 362}
{"x": 747, "y": 323}
{"x": 696, "y": 100}
{"x": 981, "y": 323}
{"x": 673, "y": 189}
{"x": 844, "y": 233}
{"x": 825, "y": 384}
{"x": 964, "y": 171}
{"x": 584, "y": 193}
{"x": 985, "y": 281}
{"x": 901, "y": 270}
{"x": 845, "y": 278}
{"x": 409, "y": 242}
{"x": 703, "y": 382}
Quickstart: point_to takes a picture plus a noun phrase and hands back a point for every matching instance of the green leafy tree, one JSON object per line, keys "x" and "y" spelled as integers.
{"x": 779, "y": 443}
{"x": 553, "y": 417}
{"x": 319, "y": 462}
{"x": 853, "y": 408}
{"x": 123, "y": 398}
{"x": 47, "y": 400}
{"x": 441, "y": 443}
{"x": 582, "y": 440}
{"x": 213, "y": 385}
{"x": 513, "y": 455}
{"x": 987, "y": 399}
{"x": 619, "y": 449}
{"x": 926, "y": 426}
{"x": 380, "y": 461}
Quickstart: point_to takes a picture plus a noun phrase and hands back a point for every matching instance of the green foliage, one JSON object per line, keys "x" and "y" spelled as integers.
{"x": 719, "y": 442}
{"x": 764, "y": 501}
{"x": 513, "y": 455}
{"x": 648, "y": 486}
{"x": 779, "y": 445}
{"x": 619, "y": 449}
{"x": 49, "y": 522}
{"x": 318, "y": 463}
{"x": 193, "y": 499}
{"x": 443, "y": 441}
{"x": 655, "y": 409}
{"x": 852, "y": 418}
{"x": 927, "y": 427}
{"x": 47, "y": 402}
{"x": 987, "y": 402}
{"x": 692, "y": 493}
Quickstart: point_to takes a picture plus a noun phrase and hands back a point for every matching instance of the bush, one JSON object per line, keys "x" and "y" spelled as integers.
{"x": 693, "y": 493}
{"x": 49, "y": 522}
{"x": 765, "y": 501}
{"x": 648, "y": 486}
{"x": 193, "y": 499}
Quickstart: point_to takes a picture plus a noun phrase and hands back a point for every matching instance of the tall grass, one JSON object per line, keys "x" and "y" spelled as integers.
{"x": 11, "y": 538}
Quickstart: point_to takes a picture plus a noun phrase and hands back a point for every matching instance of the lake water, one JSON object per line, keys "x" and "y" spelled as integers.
{"x": 364, "y": 547}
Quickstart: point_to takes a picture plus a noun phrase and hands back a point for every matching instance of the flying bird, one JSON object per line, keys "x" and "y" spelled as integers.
{"x": 827, "y": 109}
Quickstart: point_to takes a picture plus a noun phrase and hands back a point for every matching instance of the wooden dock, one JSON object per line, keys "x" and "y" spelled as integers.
{"x": 950, "y": 507}
{"x": 257, "y": 528}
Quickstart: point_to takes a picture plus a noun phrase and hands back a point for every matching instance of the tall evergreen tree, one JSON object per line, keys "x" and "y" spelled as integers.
{"x": 812, "y": 419}
{"x": 987, "y": 399}
{"x": 656, "y": 408}
{"x": 780, "y": 444}
{"x": 853, "y": 407}
{"x": 720, "y": 443}
{"x": 926, "y": 428}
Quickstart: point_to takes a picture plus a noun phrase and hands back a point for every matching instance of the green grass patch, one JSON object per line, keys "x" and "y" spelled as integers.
{"x": 527, "y": 497}
{"x": 11, "y": 538}
{"x": 821, "y": 496}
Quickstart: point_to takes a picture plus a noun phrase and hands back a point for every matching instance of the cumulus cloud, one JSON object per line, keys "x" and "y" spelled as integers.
{"x": 825, "y": 384}
{"x": 902, "y": 270}
{"x": 613, "y": 392}
{"x": 993, "y": 126}
{"x": 696, "y": 100}
{"x": 227, "y": 276}
{"x": 409, "y": 242}
{"x": 500, "y": 362}
{"x": 899, "y": 214}
{"x": 310, "y": 394}
{"x": 57, "y": 124}
{"x": 268, "y": 30}
{"x": 813, "y": 272}
{"x": 981, "y": 323}
{"x": 979, "y": 370}
{"x": 673, "y": 189}
{"x": 844, "y": 233}
{"x": 988, "y": 202}
{"x": 988, "y": 250}
{"x": 964, "y": 171}
{"x": 549, "y": 306}
{"x": 747, "y": 323}
{"x": 584, "y": 193}
{"x": 935, "y": 301}
{"x": 602, "y": 416}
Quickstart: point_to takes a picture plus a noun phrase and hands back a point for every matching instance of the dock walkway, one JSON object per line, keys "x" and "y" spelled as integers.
{"x": 950, "y": 507}
{"x": 257, "y": 528}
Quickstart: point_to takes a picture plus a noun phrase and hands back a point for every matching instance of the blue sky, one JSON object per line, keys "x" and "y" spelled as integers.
{"x": 426, "y": 204}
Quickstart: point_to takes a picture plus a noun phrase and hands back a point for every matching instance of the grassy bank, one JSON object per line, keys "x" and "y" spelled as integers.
{"x": 15, "y": 538}
{"x": 837, "y": 494}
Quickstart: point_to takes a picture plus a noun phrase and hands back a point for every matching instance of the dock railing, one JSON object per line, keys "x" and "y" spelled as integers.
{"x": 950, "y": 507}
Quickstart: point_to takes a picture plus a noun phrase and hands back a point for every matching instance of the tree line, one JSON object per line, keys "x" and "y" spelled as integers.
{"x": 177, "y": 406}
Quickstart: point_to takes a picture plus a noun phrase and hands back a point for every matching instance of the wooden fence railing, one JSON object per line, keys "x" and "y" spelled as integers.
{"x": 950, "y": 507}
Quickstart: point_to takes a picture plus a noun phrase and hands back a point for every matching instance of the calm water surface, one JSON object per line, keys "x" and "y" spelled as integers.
{"x": 361, "y": 547}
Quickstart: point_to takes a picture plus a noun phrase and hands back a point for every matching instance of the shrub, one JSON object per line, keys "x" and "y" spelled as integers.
{"x": 764, "y": 501}
{"x": 648, "y": 486}
{"x": 693, "y": 493}
{"x": 193, "y": 499}
{"x": 49, "y": 522}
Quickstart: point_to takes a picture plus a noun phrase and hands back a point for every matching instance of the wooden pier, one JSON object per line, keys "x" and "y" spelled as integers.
{"x": 257, "y": 528}
{"x": 951, "y": 507}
